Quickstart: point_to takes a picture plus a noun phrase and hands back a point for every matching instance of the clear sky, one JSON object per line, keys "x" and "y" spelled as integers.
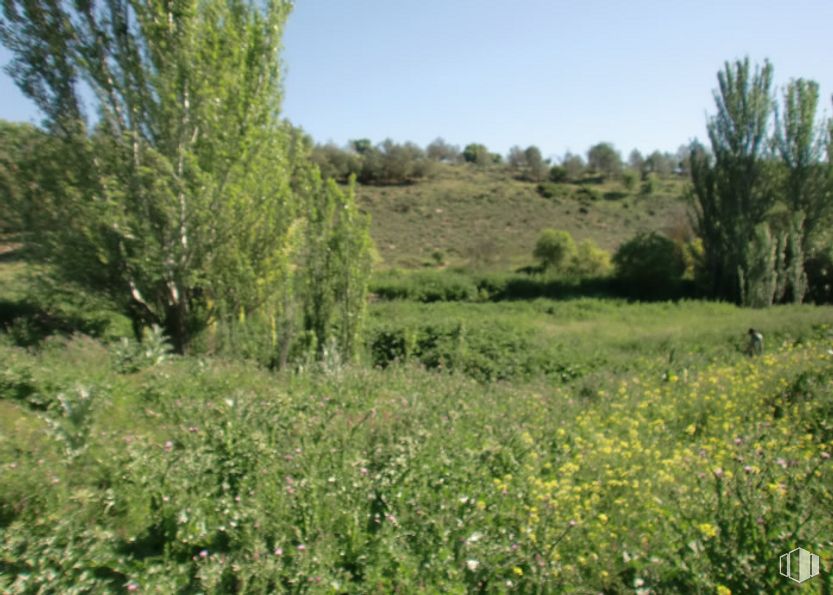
{"x": 559, "y": 74}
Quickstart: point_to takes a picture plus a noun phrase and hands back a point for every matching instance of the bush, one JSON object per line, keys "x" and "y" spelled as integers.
{"x": 649, "y": 185}
{"x": 554, "y": 249}
{"x": 590, "y": 261}
{"x": 552, "y": 190}
{"x": 629, "y": 179}
{"x": 558, "y": 174}
{"x": 819, "y": 268}
{"x": 424, "y": 286}
{"x": 650, "y": 265}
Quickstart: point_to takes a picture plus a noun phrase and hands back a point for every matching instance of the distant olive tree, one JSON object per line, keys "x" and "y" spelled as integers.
{"x": 477, "y": 154}
{"x": 528, "y": 163}
{"x": 573, "y": 165}
{"x": 605, "y": 159}
{"x": 440, "y": 150}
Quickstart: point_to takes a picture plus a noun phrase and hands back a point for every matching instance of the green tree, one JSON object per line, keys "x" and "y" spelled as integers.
{"x": 605, "y": 159}
{"x": 477, "y": 154}
{"x": 19, "y": 148}
{"x": 178, "y": 199}
{"x": 800, "y": 141}
{"x": 730, "y": 184}
{"x": 573, "y": 165}
{"x": 182, "y": 204}
{"x": 336, "y": 262}
{"x": 440, "y": 150}
{"x": 555, "y": 249}
{"x": 651, "y": 264}
{"x": 528, "y": 163}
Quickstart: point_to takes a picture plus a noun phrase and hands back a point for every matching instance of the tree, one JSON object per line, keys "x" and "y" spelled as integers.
{"x": 182, "y": 203}
{"x": 605, "y": 159}
{"x": 439, "y": 150}
{"x": 800, "y": 142}
{"x": 19, "y": 151}
{"x": 477, "y": 154}
{"x": 179, "y": 196}
{"x": 636, "y": 160}
{"x": 651, "y": 264}
{"x": 335, "y": 162}
{"x": 730, "y": 186}
{"x": 336, "y": 265}
{"x": 661, "y": 164}
{"x": 573, "y": 166}
{"x": 554, "y": 249}
{"x": 529, "y": 163}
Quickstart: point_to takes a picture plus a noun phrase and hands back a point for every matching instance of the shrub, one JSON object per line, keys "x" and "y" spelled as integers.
{"x": 650, "y": 265}
{"x": 554, "y": 249}
{"x": 590, "y": 260}
{"x": 585, "y": 193}
{"x": 819, "y": 269}
{"x": 552, "y": 190}
{"x": 649, "y": 185}
{"x": 629, "y": 179}
{"x": 424, "y": 286}
{"x": 558, "y": 174}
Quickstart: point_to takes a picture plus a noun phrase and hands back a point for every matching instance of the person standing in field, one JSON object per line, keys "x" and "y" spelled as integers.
{"x": 756, "y": 343}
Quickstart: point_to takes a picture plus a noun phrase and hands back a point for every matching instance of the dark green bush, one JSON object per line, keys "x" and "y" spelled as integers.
{"x": 650, "y": 265}
{"x": 424, "y": 286}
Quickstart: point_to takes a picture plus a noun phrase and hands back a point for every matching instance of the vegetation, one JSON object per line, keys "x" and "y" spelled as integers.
{"x": 185, "y": 204}
{"x": 206, "y": 388}
{"x": 759, "y": 214}
{"x": 199, "y": 474}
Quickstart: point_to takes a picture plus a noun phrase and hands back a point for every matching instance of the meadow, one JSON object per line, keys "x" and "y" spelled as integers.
{"x": 479, "y": 445}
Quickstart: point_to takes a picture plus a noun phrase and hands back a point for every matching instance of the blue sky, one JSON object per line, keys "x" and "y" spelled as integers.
{"x": 561, "y": 75}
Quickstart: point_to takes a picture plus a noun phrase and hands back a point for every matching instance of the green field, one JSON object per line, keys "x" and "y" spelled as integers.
{"x": 543, "y": 445}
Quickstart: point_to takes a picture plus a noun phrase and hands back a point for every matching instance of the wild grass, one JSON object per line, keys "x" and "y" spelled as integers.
{"x": 484, "y": 218}
{"x": 213, "y": 476}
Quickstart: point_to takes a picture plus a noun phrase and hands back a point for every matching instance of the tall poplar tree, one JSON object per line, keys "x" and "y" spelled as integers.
{"x": 730, "y": 186}
{"x": 168, "y": 184}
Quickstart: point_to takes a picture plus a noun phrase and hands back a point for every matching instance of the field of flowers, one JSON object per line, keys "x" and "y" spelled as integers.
{"x": 132, "y": 471}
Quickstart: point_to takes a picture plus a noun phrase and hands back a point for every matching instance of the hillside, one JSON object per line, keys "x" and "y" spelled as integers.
{"x": 474, "y": 217}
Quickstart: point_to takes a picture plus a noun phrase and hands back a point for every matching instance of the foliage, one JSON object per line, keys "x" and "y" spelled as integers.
{"x": 558, "y": 174}
{"x": 650, "y": 263}
{"x": 800, "y": 142}
{"x": 177, "y": 201}
{"x": 629, "y": 179}
{"x": 133, "y": 356}
{"x": 649, "y": 185}
{"x": 574, "y": 166}
{"x": 440, "y": 150}
{"x": 554, "y": 249}
{"x": 424, "y": 286}
{"x": 590, "y": 261}
{"x": 528, "y": 163}
{"x": 335, "y": 162}
{"x": 19, "y": 144}
{"x": 212, "y": 476}
{"x": 760, "y": 213}
{"x": 336, "y": 267}
{"x": 477, "y": 154}
{"x": 605, "y": 159}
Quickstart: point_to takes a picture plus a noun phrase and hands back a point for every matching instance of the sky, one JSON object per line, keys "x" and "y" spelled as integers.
{"x": 562, "y": 75}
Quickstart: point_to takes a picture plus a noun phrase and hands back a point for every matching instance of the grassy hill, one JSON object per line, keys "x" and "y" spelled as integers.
{"x": 485, "y": 218}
